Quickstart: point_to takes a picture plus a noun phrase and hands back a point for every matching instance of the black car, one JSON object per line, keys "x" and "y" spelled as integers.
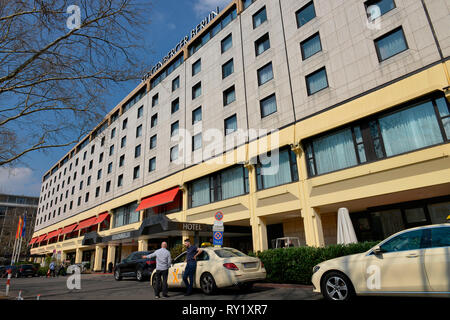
{"x": 2, "y": 271}
{"x": 136, "y": 267}
{"x": 26, "y": 270}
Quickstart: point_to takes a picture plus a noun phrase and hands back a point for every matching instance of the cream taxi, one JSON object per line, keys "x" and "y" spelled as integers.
{"x": 413, "y": 262}
{"x": 218, "y": 268}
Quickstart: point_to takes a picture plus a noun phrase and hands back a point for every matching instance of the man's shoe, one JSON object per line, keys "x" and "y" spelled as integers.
{"x": 157, "y": 297}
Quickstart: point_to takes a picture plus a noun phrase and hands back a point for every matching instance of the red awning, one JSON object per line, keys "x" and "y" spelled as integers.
{"x": 158, "y": 199}
{"x": 32, "y": 241}
{"x": 41, "y": 238}
{"x": 53, "y": 234}
{"x": 69, "y": 229}
{"x": 86, "y": 223}
{"x": 101, "y": 217}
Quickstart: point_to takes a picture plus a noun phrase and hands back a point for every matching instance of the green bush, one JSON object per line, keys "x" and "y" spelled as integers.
{"x": 294, "y": 265}
{"x": 42, "y": 271}
{"x": 177, "y": 250}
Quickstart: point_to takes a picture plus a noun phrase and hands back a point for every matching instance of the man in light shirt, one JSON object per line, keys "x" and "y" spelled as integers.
{"x": 163, "y": 262}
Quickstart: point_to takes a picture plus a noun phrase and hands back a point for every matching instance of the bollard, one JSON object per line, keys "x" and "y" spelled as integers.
{"x": 8, "y": 282}
{"x": 20, "y": 295}
{"x": 38, "y": 297}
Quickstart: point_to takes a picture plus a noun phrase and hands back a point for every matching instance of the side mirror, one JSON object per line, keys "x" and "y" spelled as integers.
{"x": 377, "y": 250}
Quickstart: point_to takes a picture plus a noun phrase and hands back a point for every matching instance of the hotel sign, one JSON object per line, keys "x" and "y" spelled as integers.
{"x": 182, "y": 43}
{"x": 121, "y": 236}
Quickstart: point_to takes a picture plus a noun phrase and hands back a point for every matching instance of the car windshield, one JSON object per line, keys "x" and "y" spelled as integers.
{"x": 229, "y": 253}
{"x": 27, "y": 266}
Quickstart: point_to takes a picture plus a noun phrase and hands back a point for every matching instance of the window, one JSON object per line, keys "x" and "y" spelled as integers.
{"x": 230, "y": 124}
{"x": 196, "y": 90}
{"x": 196, "y": 67}
{"x": 440, "y": 237}
{"x": 391, "y": 44}
{"x": 174, "y": 129}
{"x": 247, "y": 3}
{"x": 175, "y": 105}
{"x": 155, "y": 100}
{"x": 97, "y": 192}
{"x": 225, "y": 184}
{"x": 280, "y": 169}
{"x": 226, "y": 43}
{"x": 153, "y": 142}
{"x": 377, "y": 8}
{"x": 411, "y": 240}
{"x": 86, "y": 197}
{"x": 137, "y": 151}
{"x": 84, "y": 156}
{"x": 110, "y": 167}
{"x": 154, "y": 120}
{"x": 139, "y": 131}
{"x": 197, "y": 115}
{"x": 126, "y": 215}
{"x": 111, "y": 150}
{"x": 121, "y": 160}
{"x": 140, "y": 112}
{"x": 99, "y": 174}
{"x": 268, "y": 105}
{"x": 227, "y": 69}
{"x": 136, "y": 171}
{"x": 92, "y": 149}
{"x": 91, "y": 163}
{"x": 152, "y": 164}
{"x": 305, "y": 14}
{"x": 197, "y": 142}
{"x": 120, "y": 180}
{"x": 265, "y": 74}
{"x": 262, "y": 44}
{"x": 310, "y": 46}
{"x": 173, "y": 153}
{"x": 395, "y": 132}
{"x": 123, "y": 142}
{"x": 124, "y": 124}
{"x": 259, "y": 17}
{"x": 113, "y": 133}
{"x": 316, "y": 81}
{"x": 88, "y": 181}
{"x": 100, "y": 158}
{"x": 83, "y": 170}
{"x": 175, "y": 83}
{"x": 229, "y": 96}
{"x": 108, "y": 186}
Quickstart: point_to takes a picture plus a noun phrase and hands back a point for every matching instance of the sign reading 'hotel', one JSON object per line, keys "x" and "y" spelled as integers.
{"x": 183, "y": 42}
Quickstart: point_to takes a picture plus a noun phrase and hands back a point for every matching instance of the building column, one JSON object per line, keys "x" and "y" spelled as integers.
{"x": 311, "y": 217}
{"x": 78, "y": 255}
{"x": 143, "y": 245}
{"x": 258, "y": 224}
{"x": 111, "y": 255}
{"x": 63, "y": 256}
{"x": 184, "y": 200}
{"x": 98, "y": 258}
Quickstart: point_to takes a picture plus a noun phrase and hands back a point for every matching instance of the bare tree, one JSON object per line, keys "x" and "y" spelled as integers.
{"x": 54, "y": 78}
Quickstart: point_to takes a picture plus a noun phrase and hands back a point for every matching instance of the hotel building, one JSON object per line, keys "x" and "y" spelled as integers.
{"x": 358, "y": 92}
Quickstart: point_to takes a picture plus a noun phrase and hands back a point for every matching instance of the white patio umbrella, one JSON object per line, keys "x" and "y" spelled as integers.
{"x": 345, "y": 233}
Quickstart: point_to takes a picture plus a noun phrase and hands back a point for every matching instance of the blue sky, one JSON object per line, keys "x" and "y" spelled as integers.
{"x": 171, "y": 20}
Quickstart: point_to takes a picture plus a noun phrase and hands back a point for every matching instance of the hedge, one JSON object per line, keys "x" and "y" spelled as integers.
{"x": 294, "y": 265}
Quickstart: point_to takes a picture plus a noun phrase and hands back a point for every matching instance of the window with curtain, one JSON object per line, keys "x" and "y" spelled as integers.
{"x": 382, "y": 7}
{"x": 268, "y": 106}
{"x": 311, "y": 46}
{"x": 200, "y": 192}
{"x": 265, "y": 74}
{"x": 268, "y": 175}
{"x": 305, "y": 14}
{"x": 335, "y": 151}
{"x": 259, "y": 17}
{"x": 227, "y": 69}
{"x": 230, "y": 124}
{"x": 444, "y": 114}
{"x": 262, "y": 44}
{"x": 196, "y": 90}
{"x": 196, "y": 67}
{"x": 126, "y": 215}
{"x": 227, "y": 43}
{"x": 410, "y": 129}
{"x": 391, "y": 44}
{"x": 229, "y": 96}
{"x": 316, "y": 81}
{"x": 232, "y": 183}
{"x": 197, "y": 115}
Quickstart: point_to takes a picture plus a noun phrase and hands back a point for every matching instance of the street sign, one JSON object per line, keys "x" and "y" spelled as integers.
{"x": 219, "y": 216}
{"x": 218, "y": 226}
{"x": 218, "y": 238}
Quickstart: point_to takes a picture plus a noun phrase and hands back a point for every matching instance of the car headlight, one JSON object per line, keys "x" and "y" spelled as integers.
{"x": 315, "y": 269}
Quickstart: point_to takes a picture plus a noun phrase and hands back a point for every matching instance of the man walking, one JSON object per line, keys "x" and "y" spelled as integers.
{"x": 191, "y": 265}
{"x": 52, "y": 269}
{"x": 163, "y": 262}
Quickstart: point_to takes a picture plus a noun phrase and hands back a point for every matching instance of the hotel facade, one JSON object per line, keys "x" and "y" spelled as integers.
{"x": 353, "y": 94}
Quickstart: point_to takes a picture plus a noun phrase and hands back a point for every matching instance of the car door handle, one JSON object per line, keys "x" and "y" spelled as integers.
{"x": 412, "y": 255}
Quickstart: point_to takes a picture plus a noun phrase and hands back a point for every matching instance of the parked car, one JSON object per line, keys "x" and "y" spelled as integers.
{"x": 26, "y": 270}
{"x": 218, "y": 268}
{"x": 2, "y": 271}
{"x": 413, "y": 262}
{"x": 135, "y": 266}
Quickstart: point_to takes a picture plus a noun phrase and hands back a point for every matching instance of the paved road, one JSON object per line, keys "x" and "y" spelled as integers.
{"x": 104, "y": 287}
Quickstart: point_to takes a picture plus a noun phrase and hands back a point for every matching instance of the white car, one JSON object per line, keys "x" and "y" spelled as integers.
{"x": 413, "y": 262}
{"x": 218, "y": 268}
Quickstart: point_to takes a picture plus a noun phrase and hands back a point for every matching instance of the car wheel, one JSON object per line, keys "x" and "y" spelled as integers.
{"x": 246, "y": 286}
{"x": 208, "y": 284}
{"x": 139, "y": 275}
{"x": 336, "y": 286}
{"x": 117, "y": 275}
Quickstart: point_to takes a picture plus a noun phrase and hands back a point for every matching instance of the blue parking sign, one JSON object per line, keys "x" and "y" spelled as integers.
{"x": 218, "y": 238}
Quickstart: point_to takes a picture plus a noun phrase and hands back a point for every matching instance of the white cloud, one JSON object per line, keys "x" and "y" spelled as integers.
{"x": 203, "y": 7}
{"x": 19, "y": 181}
